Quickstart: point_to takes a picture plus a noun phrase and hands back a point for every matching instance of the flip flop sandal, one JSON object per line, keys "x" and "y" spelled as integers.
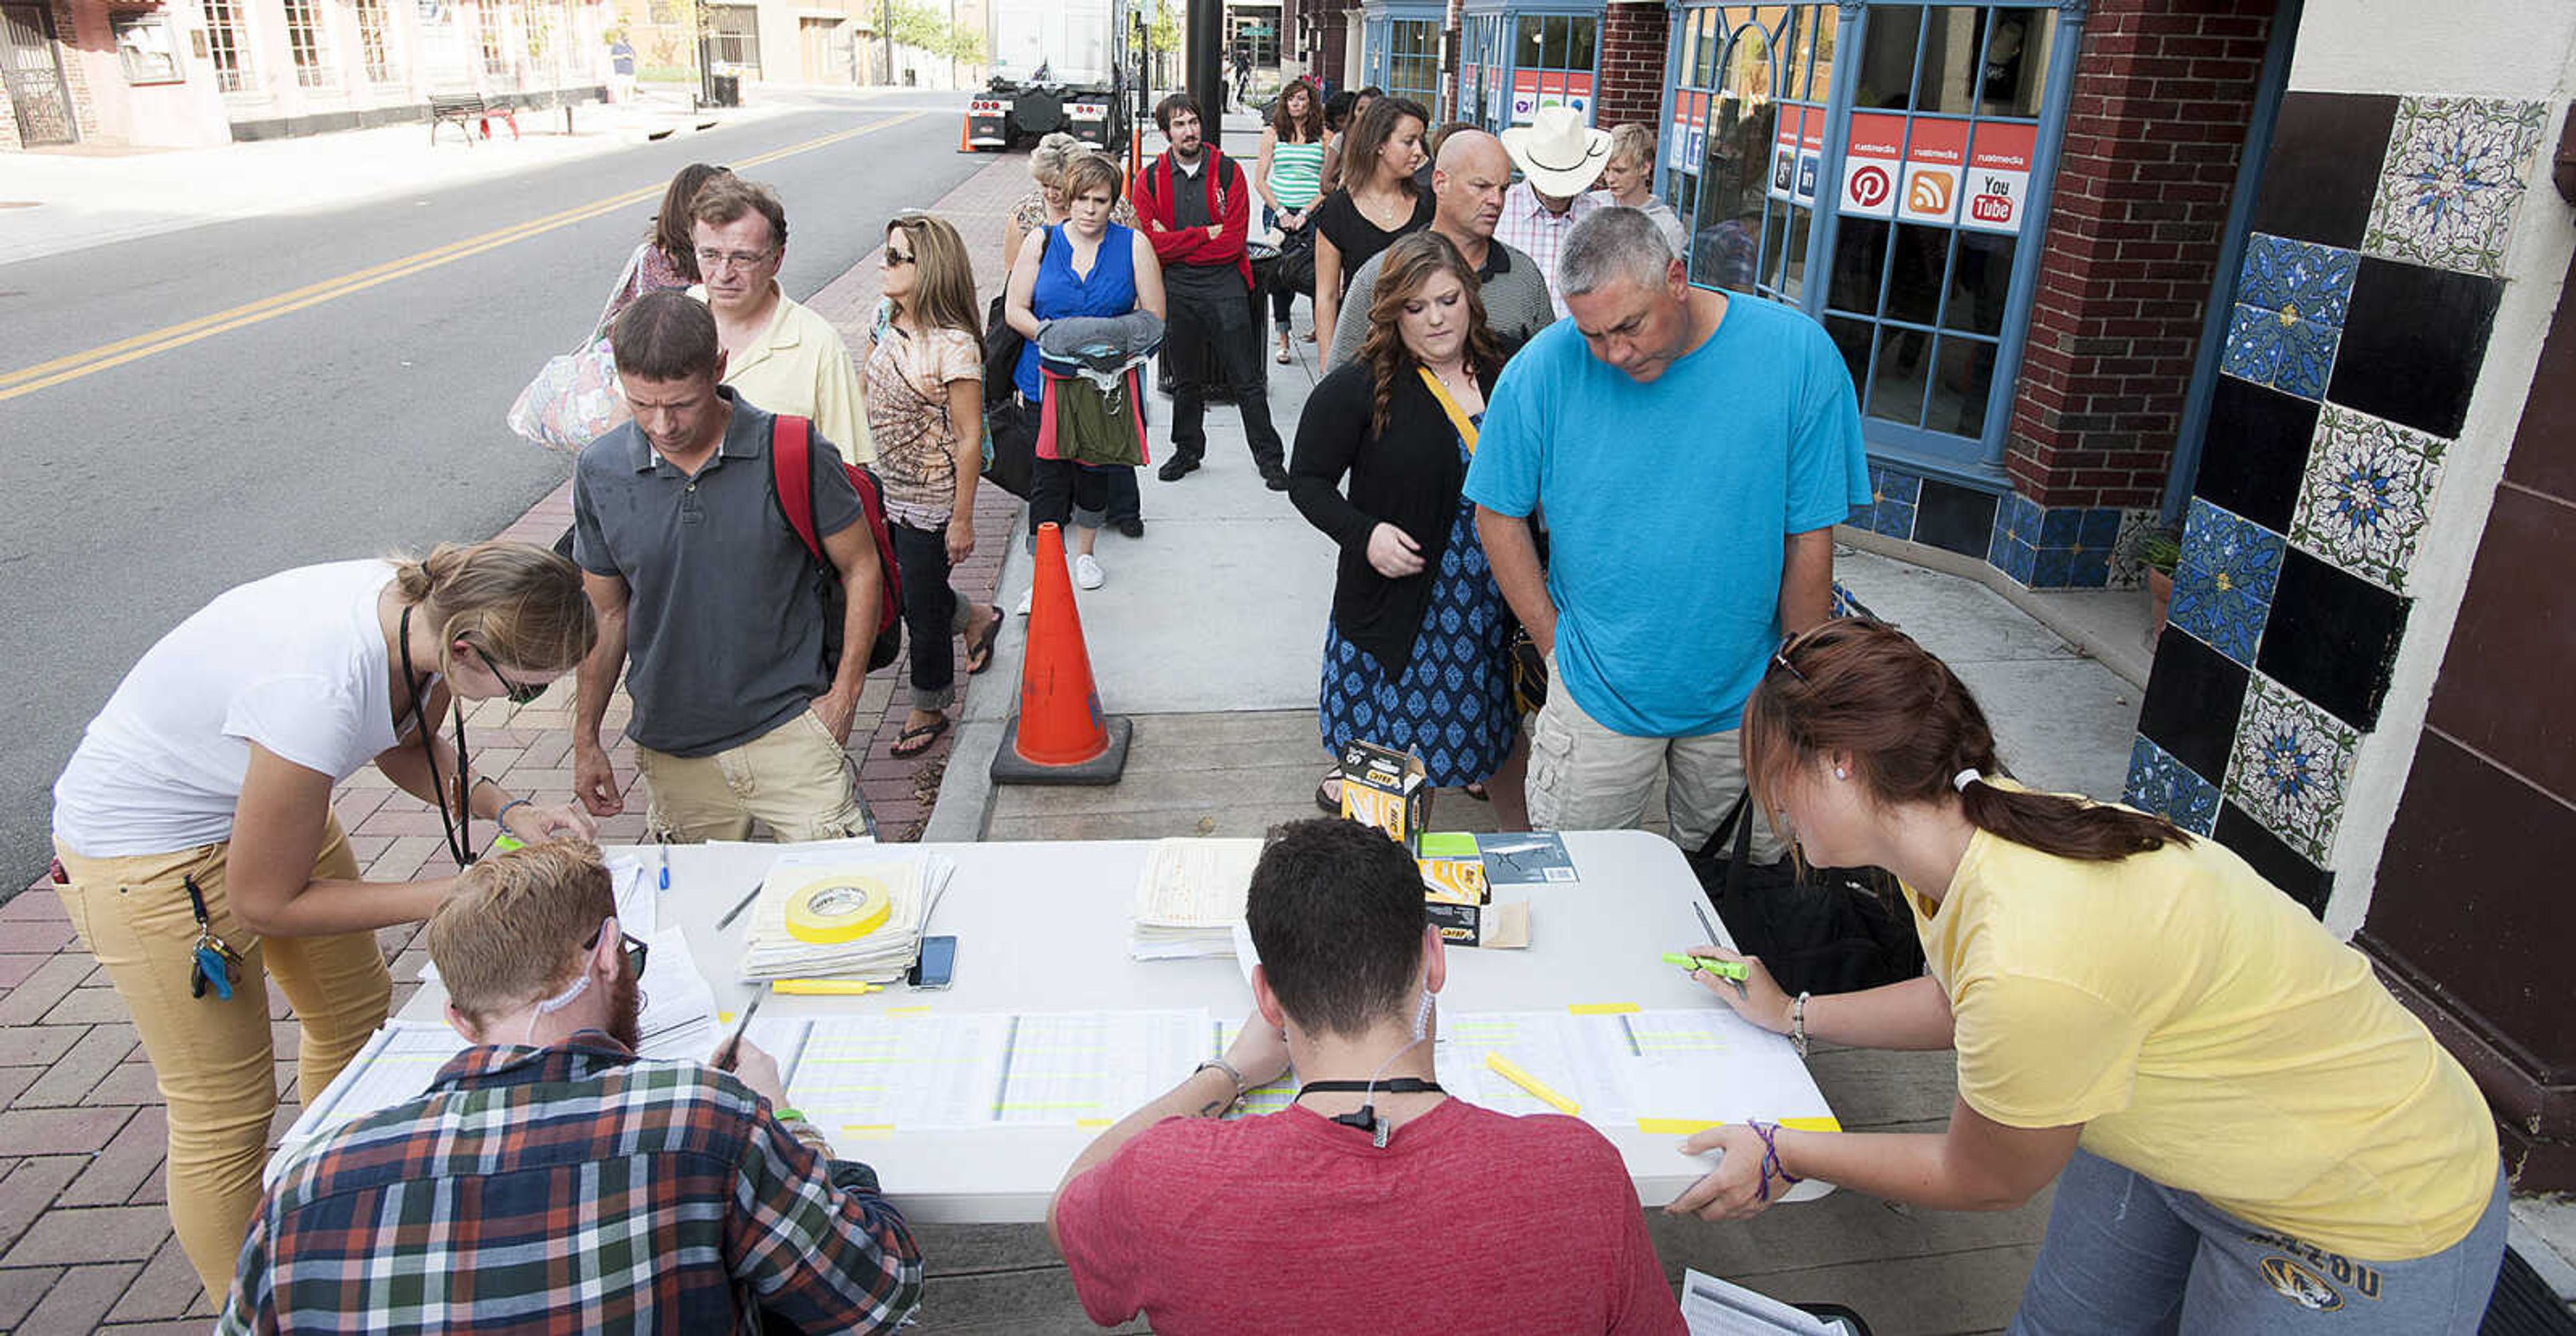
{"x": 1477, "y": 792}
{"x": 921, "y": 737}
{"x": 1282, "y": 357}
{"x": 979, "y": 652}
{"x": 1327, "y": 802}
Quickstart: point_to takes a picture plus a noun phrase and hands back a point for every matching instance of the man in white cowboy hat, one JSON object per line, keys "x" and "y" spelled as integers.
{"x": 1560, "y": 157}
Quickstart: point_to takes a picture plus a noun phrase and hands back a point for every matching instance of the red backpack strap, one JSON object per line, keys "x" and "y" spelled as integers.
{"x": 791, "y": 465}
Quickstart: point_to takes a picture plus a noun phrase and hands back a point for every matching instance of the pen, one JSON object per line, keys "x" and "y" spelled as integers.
{"x": 731, "y": 1048}
{"x": 825, "y": 987}
{"x": 738, "y": 906}
{"x": 1511, "y": 1071}
{"x": 666, "y": 865}
{"x": 1724, "y": 969}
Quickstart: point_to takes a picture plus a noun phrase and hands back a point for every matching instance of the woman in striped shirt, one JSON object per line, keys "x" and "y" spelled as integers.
{"x": 1290, "y": 175}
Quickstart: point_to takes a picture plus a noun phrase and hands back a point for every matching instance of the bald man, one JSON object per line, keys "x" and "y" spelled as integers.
{"x": 1467, "y": 184}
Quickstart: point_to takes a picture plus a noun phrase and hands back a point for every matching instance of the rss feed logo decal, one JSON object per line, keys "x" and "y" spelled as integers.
{"x": 1929, "y": 192}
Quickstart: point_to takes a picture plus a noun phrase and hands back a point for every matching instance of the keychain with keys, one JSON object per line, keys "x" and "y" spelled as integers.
{"x": 214, "y": 964}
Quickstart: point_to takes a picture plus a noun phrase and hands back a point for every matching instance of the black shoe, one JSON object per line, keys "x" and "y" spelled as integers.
{"x": 1276, "y": 477}
{"x": 1133, "y": 528}
{"x": 1177, "y": 468}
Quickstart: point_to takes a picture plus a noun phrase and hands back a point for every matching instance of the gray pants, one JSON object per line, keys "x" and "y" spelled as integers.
{"x": 1584, "y": 776}
{"x": 2127, "y": 1256}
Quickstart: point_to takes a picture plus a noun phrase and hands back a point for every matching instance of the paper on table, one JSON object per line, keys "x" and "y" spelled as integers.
{"x": 1656, "y": 1071}
{"x": 1189, "y": 896}
{"x": 1713, "y": 1307}
{"x": 679, "y": 1017}
{"x": 396, "y": 1064}
{"x": 916, "y": 1073}
{"x": 1091, "y": 1068}
{"x": 1260, "y": 1099}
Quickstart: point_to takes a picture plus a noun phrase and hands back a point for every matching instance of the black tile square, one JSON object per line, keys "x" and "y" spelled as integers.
{"x": 2286, "y": 868}
{"x": 2192, "y": 701}
{"x": 2332, "y": 638}
{"x": 1960, "y": 519}
{"x": 2323, "y": 165}
{"x": 2256, "y": 451}
{"x": 2413, "y": 344}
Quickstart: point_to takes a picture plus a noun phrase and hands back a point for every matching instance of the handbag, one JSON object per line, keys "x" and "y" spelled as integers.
{"x": 574, "y": 399}
{"x": 1002, "y": 343}
{"x": 1817, "y": 930}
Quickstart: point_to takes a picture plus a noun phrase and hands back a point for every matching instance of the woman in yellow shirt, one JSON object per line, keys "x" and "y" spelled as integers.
{"x": 2247, "y": 1132}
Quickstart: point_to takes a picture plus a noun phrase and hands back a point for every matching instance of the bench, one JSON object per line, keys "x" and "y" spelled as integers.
{"x": 462, "y": 109}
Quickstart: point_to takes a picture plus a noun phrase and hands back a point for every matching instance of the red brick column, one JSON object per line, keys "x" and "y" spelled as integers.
{"x": 2154, "y": 131}
{"x": 1632, "y": 64}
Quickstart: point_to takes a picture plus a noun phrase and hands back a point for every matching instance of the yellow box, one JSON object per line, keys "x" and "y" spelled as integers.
{"x": 1387, "y": 789}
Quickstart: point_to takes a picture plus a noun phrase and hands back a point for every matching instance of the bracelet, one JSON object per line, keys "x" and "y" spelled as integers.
{"x": 1230, "y": 1074}
{"x": 1798, "y": 1025}
{"x": 502, "y": 818}
{"x": 788, "y": 1115}
{"x": 1771, "y": 1161}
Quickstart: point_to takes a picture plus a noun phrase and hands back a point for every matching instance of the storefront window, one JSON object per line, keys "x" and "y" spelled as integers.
{"x": 226, "y": 45}
{"x": 1553, "y": 59}
{"x": 1484, "y": 81}
{"x": 1413, "y": 61}
{"x": 1931, "y": 137}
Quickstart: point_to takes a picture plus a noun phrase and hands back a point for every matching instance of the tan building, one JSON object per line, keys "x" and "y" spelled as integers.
{"x": 827, "y": 43}
{"x": 191, "y": 72}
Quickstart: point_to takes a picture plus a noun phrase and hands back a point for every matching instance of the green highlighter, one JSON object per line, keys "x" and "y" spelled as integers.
{"x": 1724, "y": 969}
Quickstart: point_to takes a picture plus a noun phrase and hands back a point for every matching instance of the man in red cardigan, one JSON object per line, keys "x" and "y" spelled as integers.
{"x": 1196, "y": 205}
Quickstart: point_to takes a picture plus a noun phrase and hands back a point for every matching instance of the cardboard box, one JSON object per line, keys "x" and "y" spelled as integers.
{"x": 1387, "y": 789}
{"x": 1452, "y": 871}
{"x": 1497, "y": 927}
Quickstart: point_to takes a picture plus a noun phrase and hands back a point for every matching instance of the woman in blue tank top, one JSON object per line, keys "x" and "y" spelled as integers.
{"x": 1085, "y": 266}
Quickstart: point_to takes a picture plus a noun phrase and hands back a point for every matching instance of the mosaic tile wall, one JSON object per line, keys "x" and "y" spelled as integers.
{"x": 2359, "y": 324}
{"x": 2066, "y": 547}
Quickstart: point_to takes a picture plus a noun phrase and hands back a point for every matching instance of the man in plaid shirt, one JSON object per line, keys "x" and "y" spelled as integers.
{"x": 551, "y": 1181}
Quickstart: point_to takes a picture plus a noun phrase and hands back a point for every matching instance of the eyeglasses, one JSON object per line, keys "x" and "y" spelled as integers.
{"x": 520, "y": 693}
{"x": 637, "y": 950}
{"x": 709, "y": 261}
{"x": 895, "y": 259}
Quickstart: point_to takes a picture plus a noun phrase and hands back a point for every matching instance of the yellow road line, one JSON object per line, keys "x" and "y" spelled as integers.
{"x": 43, "y": 375}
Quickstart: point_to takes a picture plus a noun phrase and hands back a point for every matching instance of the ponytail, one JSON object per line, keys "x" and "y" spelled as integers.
{"x": 1916, "y": 735}
{"x": 522, "y": 604}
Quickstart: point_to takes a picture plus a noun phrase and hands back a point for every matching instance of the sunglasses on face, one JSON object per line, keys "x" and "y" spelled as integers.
{"x": 895, "y": 259}
{"x": 520, "y": 693}
{"x": 637, "y": 950}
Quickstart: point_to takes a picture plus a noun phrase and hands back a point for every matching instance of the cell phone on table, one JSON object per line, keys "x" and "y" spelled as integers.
{"x": 938, "y": 963}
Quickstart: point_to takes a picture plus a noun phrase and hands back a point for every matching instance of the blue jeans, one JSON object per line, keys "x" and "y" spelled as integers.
{"x": 2126, "y": 1255}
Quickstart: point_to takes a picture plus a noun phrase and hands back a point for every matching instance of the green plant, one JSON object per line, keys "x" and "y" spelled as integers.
{"x": 919, "y": 26}
{"x": 2157, "y": 549}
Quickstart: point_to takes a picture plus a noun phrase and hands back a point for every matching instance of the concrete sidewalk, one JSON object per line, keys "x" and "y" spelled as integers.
{"x": 57, "y": 201}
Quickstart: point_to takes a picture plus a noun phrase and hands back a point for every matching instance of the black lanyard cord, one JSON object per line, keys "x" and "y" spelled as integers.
{"x": 460, "y": 826}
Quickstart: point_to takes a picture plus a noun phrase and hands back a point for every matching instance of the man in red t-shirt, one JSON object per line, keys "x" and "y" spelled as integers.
{"x": 1376, "y": 1199}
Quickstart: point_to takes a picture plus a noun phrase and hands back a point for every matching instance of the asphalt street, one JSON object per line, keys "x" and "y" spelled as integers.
{"x": 367, "y": 422}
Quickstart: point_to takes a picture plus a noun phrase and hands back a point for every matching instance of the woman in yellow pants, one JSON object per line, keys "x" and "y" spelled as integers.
{"x": 199, "y": 849}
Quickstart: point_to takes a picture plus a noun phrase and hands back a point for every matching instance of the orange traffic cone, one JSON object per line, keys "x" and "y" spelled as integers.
{"x": 965, "y": 135}
{"x": 1060, "y": 736}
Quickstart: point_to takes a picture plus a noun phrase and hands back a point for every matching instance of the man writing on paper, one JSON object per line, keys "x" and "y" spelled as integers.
{"x": 1375, "y": 1193}
{"x": 551, "y": 1180}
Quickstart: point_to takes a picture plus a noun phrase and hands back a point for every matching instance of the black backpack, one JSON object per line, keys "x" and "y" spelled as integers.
{"x": 1828, "y": 930}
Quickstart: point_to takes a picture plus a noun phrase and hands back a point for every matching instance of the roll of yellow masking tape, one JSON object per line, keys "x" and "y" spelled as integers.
{"x": 836, "y": 910}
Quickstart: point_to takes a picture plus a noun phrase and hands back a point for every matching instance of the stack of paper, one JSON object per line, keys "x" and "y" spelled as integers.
{"x": 679, "y": 1013}
{"x": 913, "y": 881}
{"x": 1190, "y": 896}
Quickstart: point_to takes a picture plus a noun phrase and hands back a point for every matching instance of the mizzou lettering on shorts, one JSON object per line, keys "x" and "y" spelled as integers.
{"x": 2312, "y": 1277}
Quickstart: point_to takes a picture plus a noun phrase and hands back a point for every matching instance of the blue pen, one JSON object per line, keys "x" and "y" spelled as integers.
{"x": 665, "y": 851}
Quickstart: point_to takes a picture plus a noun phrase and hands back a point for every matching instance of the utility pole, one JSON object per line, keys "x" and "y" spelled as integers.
{"x": 1204, "y": 40}
{"x": 886, "y": 34}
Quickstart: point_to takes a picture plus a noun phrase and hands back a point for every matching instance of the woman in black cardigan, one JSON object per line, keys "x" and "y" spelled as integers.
{"x": 1414, "y": 655}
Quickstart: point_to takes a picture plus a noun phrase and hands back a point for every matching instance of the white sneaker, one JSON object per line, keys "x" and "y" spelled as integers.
{"x": 1024, "y": 601}
{"x": 1086, "y": 572}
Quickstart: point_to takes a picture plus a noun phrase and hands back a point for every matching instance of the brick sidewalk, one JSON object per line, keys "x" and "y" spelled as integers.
{"x": 85, "y": 1240}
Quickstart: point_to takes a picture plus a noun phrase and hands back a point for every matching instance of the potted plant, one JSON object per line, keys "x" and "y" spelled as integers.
{"x": 2157, "y": 550}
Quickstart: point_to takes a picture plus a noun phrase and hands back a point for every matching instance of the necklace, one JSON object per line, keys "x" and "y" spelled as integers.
{"x": 460, "y": 828}
{"x": 1399, "y": 206}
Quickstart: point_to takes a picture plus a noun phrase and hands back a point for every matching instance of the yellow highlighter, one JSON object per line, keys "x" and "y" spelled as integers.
{"x": 826, "y": 987}
{"x": 1511, "y": 1071}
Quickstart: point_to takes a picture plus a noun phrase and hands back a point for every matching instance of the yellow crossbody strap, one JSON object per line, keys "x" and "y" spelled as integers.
{"x": 1457, "y": 416}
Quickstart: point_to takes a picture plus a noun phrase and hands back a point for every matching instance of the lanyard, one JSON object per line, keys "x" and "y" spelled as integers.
{"x": 460, "y": 827}
{"x": 1457, "y": 416}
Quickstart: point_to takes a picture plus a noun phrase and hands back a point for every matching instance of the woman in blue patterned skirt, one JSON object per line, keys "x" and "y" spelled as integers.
{"x": 1414, "y": 655}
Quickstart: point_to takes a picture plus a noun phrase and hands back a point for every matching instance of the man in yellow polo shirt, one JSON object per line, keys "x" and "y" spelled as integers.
{"x": 777, "y": 354}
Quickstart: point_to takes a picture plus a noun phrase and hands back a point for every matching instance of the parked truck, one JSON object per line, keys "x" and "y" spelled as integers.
{"x": 1057, "y": 65}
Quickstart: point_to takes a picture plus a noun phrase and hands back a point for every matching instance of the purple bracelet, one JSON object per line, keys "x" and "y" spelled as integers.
{"x": 1771, "y": 1161}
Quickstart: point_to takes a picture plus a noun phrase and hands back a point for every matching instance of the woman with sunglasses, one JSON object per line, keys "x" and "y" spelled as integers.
{"x": 199, "y": 855}
{"x": 926, "y": 410}
{"x": 2246, "y": 1131}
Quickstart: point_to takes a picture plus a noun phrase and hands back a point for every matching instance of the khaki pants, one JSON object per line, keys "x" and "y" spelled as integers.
{"x": 1583, "y": 776}
{"x": 794, "y": 778}
{"x": 213, "y": 1059}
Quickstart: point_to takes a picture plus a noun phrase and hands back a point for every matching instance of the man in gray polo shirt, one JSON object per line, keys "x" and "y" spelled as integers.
{"x": 1467, "y": 185}
{"x": 710, "y": 601}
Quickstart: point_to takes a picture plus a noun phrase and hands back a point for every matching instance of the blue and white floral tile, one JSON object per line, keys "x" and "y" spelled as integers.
{"x": 2298, "y": 278}
{"x": 2223, "y": 588}
{"x": 2454, "y": 173}
{"x": 2291, "y": 767}
{"x": 2279, "y": 349}
{"x": 2160, "y": 784}
{"x": 2125, "y": 569}
{"x": 2368, "y": 491}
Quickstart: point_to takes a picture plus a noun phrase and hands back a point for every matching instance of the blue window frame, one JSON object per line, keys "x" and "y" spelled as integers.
{"x": 1519, "y": 55}
{"x": 1401, "y": 51}
{"x": 1898, "y": 155}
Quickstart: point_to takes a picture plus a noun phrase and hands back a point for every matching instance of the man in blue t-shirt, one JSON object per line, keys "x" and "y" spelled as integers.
{"x": 1690, "y": 452}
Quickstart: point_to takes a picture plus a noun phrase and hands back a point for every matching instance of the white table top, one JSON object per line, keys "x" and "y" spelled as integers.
{"x": 1043, "y": 926}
